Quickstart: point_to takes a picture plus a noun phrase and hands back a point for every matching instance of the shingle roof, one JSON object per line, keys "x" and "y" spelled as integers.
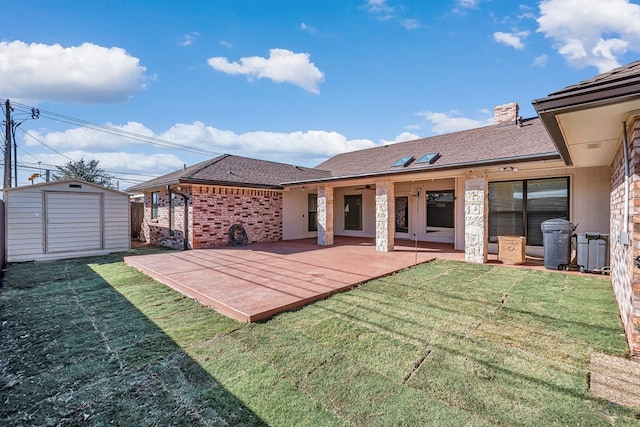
{"x": 489, "y": 144}
{"x": 235, "y": 171}
{"x": 615, "y": 76}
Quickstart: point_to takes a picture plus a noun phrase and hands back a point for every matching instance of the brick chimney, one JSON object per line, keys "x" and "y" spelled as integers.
{"x": 506, "y": 113}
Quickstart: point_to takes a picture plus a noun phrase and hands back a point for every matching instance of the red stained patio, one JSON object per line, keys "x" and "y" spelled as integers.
{"x": 258, "y": 281}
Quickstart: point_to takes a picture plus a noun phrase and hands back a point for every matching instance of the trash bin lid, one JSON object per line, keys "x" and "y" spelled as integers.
{"x": 556, "y": 224}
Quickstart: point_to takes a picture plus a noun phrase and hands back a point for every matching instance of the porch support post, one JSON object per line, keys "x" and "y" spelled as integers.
{"x": 476, "y": 215}
{"x": 385, "y": 216}
{"x": 325, "y": 215}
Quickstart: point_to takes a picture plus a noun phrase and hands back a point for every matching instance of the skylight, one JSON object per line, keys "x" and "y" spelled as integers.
{"x": 403, "y": 162}
{"x": 430, "y": 158}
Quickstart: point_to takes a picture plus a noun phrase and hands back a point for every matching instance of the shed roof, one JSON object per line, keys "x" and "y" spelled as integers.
{"x": 64, "y": 182}
{"x": 233, "y": 170}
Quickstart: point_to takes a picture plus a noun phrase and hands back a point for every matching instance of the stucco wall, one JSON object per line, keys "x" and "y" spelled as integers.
{"x": 295, "y": 205}
{"x": 625, "y": 277}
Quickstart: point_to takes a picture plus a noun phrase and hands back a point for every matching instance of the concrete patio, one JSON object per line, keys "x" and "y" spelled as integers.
{"x": 258, "y": 281}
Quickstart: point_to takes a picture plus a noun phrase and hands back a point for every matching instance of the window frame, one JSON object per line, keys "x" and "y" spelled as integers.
{"x": 312, "y": 218}
{"x": 155, "y": 202}
{"x": 348, "y": 213}
{"x": 524, "y": 214}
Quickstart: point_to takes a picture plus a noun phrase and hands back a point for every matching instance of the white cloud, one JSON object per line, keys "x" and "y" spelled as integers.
{"x": 411, "y": 24}
{"x": 303, "y": 147}
{"x": 541, "y": 61}
{"x": 262, "y": 144}
{"x": 380, "y": 7}
{"x": 443, "y": 123}
{"x": 188, "y": 39}
{"x": 225, "y": 43}
{"x": 87, "y": 139}
{"x": 128, "y": 167}
{"x": 404, "y": 136}
{"x": 462, "y": 5}
{"x": 309, "y": 28}
{"x": 87, "y": 73}
{"x": 282, "y": 66}
{"x": 511, "y": 39}
{"x": 591, "y": 33}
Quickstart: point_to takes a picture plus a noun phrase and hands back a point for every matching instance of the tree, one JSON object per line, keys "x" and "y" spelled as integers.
{"x": 87, "y": 171}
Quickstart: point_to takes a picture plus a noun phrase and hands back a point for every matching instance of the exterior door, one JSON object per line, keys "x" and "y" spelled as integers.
{"x": 73, "y": 222}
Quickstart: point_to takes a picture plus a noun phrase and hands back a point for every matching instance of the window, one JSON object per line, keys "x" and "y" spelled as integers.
{"x": 440, "y": 210}
{"x": 172, "y": 214}
{"x": 402, "y": 214}
{"x": 430, "y": 158}
{"x": 519, "y": 207}
{"x": 312, "y": 203}
{"x": 403, "y": 162}
{"x": 154, "y": 205}
{"x": 353, "y": 212}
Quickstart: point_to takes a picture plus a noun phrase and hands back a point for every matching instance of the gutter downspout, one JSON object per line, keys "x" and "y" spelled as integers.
{"x": 625, "y": 228}
{"x": 185, "y": 198}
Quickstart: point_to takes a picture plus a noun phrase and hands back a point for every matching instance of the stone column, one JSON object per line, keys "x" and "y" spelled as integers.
{"x": 476, "y": 215}
{"x": 385, "y": 216}
{"x": 325, "y": 215}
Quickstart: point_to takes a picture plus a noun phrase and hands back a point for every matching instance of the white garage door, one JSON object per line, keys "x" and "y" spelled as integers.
{"x": 74, "y": 222}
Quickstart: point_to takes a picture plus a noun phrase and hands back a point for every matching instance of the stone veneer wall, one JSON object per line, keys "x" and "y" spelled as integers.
{"x": 625, "y": 276}
{"x": 476, "y": 206}
{"x": 385, "y": 216}
{"x": 216, "y": 209}
{"x": 157, "y": 231}
{"x": 325, "y": 216}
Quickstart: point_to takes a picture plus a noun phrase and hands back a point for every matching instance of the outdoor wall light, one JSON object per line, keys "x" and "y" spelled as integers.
{"x": 508, "y": 169}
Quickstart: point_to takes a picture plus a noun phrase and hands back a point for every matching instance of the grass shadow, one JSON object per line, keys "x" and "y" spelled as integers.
{"x": 75, "y": 350}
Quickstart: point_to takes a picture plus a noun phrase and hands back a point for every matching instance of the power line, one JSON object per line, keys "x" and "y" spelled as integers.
{"x": 118, "y": 132}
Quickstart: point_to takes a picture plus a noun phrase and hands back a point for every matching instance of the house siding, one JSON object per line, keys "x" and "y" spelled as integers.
{"x": 625, "y": 276}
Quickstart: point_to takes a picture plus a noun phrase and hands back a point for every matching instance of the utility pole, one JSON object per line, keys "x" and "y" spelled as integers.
{"x": 7, "y": 146}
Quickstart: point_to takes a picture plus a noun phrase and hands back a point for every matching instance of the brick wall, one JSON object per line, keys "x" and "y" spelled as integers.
{"x": 215, "y": 209}
{"x": 506, "y": 112}
{"x": 625, "y": 277}
{"x": 158, "y": 231}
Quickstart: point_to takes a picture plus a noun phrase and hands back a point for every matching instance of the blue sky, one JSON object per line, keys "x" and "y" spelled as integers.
{"x": 289, "y": 81}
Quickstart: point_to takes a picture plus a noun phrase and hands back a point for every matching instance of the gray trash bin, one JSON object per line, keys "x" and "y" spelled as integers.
{"x": 556, "y": 239}
{"x": 593, "y": 251}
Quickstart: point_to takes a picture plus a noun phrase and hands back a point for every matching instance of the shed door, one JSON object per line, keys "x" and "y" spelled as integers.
{"x": 74, "y": 222}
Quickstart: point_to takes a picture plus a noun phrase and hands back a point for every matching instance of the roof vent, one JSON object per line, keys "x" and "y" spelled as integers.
{"x": 75, "y": 185}
{"x": 403, "y": 162}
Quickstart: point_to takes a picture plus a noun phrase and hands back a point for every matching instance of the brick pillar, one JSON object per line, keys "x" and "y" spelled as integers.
{"x": 385, "y": 216}
{"x": 325, "y": 215}
{"x": 625, "y": 276}
{"x": 476, "y": 213}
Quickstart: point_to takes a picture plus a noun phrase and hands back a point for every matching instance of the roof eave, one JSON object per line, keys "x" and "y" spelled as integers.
{"x": 231, "y": 184}
{"x": 580, "y": 99}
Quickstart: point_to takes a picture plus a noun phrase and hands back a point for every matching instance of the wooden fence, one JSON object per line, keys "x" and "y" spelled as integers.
{"x": 137, "y": 216}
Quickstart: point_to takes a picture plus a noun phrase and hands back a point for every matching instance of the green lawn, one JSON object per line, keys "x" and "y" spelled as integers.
{"x": 94, "y": 342}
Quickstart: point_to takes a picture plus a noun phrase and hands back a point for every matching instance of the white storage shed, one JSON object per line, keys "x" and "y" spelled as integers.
{"x": 65, "y": 219}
